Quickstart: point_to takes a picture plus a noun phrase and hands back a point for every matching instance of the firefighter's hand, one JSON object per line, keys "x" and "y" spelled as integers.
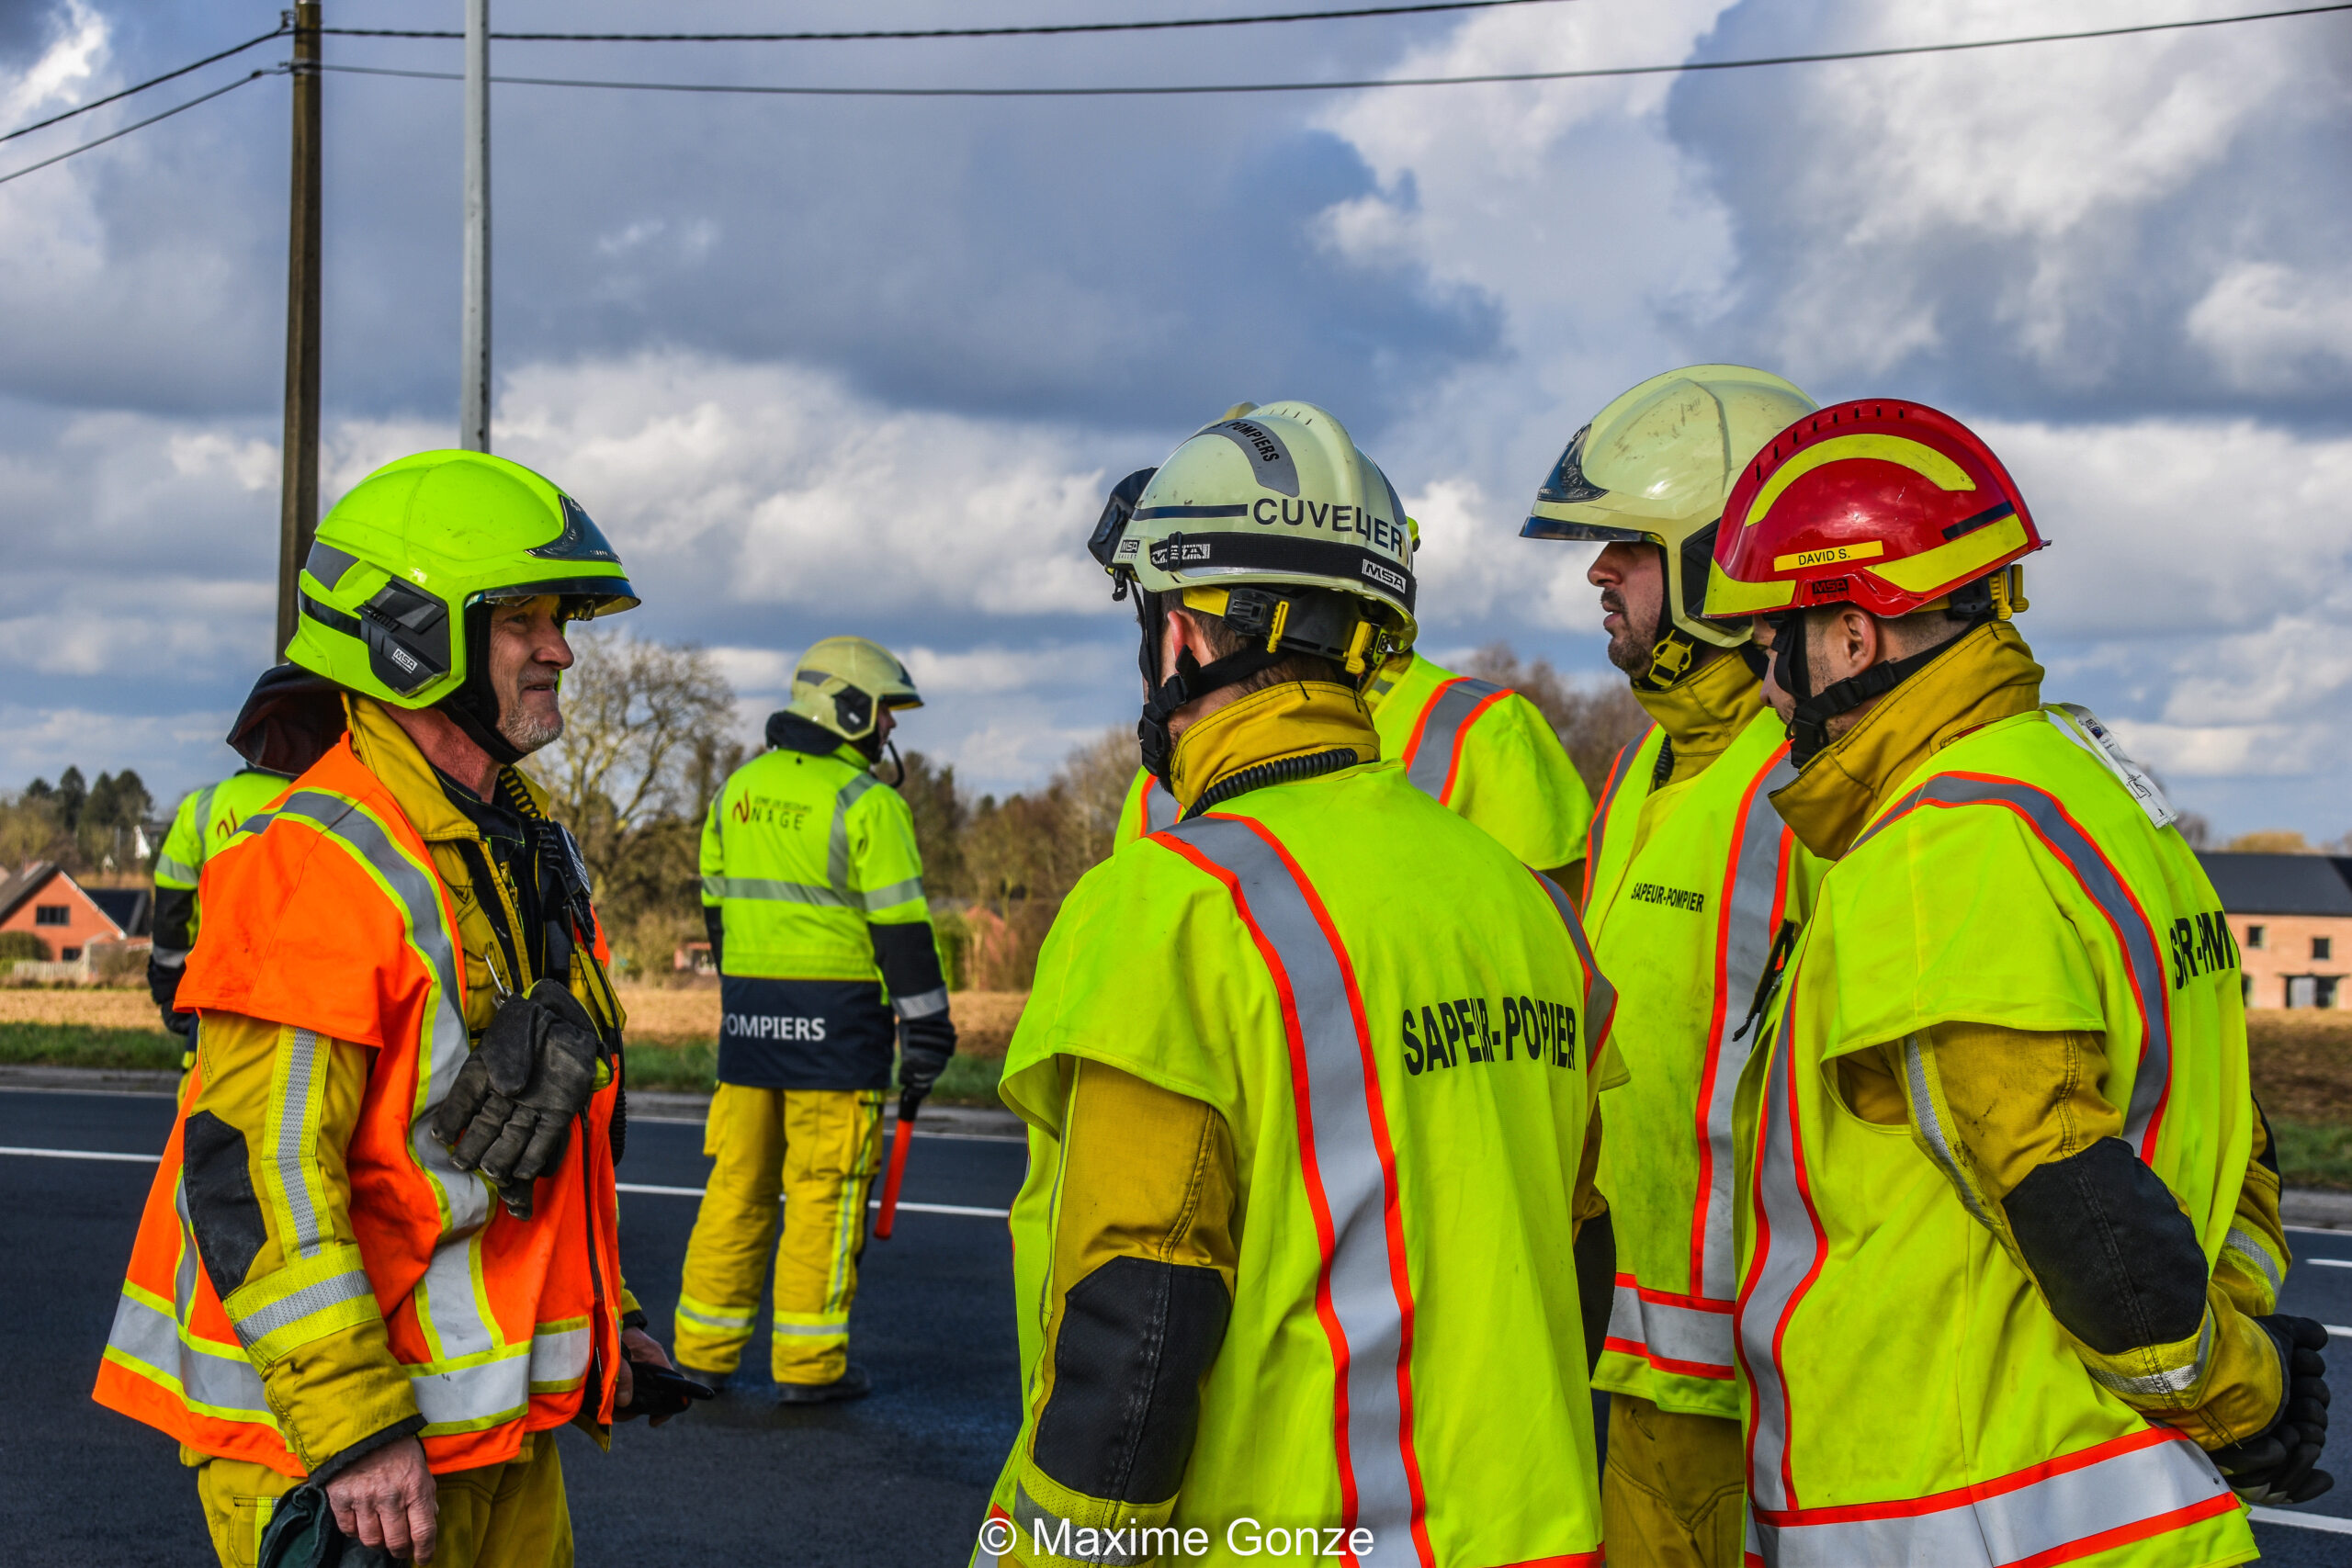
{"x": 2280, "y": 1466}
{"x": 510, "y": 1112}
{"x": 387, "y": 1499}
{"x": 924, "y": 1046}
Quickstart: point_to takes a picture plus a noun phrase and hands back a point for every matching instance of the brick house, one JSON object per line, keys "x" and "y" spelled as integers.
{"x": 43, "y": 898}
{"x": 2292, "y": 918}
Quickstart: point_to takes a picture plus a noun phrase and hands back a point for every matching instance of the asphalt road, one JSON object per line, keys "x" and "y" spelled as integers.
{"x": 901, "y": 1477}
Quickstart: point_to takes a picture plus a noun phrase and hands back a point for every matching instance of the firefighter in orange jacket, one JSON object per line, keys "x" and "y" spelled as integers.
{"x": 381, "y": 1254}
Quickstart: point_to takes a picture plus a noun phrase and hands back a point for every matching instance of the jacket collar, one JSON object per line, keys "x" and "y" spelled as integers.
{"x": 385, "y": 750}
{"x": 1289, "y": 720}
{"x": 1985, "y": 675}
{"x": 1705, "y": 711}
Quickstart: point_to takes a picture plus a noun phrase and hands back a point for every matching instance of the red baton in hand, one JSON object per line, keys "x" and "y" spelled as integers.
{"x": 897, "y": 1171}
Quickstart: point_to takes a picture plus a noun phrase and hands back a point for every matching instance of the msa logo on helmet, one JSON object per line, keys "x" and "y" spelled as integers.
{"x": 1127, "y": 547}
{"x": 1392, "y": 580}
{"x": 1830, "y": 587}
{"x": 1176, "y": 550}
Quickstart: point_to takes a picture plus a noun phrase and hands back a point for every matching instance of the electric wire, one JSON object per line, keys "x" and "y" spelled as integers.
{"x": 142, "y": 124}
{"x": 1037, "y": 31}
{"x": 151, "y": 81}
{"x": 1359, "y": 84}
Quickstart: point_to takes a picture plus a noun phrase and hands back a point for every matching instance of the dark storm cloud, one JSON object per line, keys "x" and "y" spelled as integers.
{"x": 2044, "y": 275}
{"x": 1108, "y": 261}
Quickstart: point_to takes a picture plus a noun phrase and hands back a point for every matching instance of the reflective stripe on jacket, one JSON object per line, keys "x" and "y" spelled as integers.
{"x": 2010, "y": 881}
{"x": 800, "y": 852}
{"x": 1404, "y": 1350}
{"x": 331, "y": 918}
{"x": 1487, "y": 753}
{"x": 1685, "y": 888}
{"x": 1149, "y": 808}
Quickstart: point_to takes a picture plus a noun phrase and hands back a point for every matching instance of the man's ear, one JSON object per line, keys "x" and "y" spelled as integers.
{"x": 1181, "y": 630}
{"x": 1855, "y": 641}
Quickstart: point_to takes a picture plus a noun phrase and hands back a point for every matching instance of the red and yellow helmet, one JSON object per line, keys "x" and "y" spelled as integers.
{"x": 1886, "y": 505}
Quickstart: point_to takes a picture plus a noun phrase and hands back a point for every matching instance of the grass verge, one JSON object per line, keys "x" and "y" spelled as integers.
{"x": 2314, "y": 1154}
{"x": 88, "y": 1045}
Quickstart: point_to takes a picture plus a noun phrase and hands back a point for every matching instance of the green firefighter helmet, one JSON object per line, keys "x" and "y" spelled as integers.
{"x": 1256, "y": 506}
{"x": 842, "y": 683}
{"x": 1656, "y": 463}
{"x": 386, "y": 591}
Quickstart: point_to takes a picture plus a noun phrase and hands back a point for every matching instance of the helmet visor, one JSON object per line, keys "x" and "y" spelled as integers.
{"x": 1562, "y": 503}
{"x": 1117, "y": 512}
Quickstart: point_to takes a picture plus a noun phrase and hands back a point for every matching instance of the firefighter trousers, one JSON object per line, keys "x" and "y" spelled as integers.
{"x": 817, "y": 1149}
{"x": 1673, "y": 1493}
{"x": 502, "y": 1516}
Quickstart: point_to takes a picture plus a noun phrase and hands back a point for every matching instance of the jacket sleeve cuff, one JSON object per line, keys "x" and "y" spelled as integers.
{"x": 2246, "y": 1384}
{"x": 337, "y": 1391}
{"x": 364, "y": 1447}
{"x": 1062, "y": 1529}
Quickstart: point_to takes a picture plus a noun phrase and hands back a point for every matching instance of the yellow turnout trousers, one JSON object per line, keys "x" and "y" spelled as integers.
{"x": 500, "y": 1516}
{"x": 1672, "y": 1496}
{"x": 817, "y": 1148}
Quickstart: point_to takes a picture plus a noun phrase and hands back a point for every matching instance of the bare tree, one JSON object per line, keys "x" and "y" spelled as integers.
{"x": 645, "y": 746}
{"x": 1592, "y": 721}
{"x": 1094, "y": 780}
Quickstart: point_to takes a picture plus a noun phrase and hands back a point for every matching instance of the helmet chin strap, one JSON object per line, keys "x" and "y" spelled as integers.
{"x": 1809, "y": 720}
{"x": 474, "y": 704}
{"x": 1192, "y": 679}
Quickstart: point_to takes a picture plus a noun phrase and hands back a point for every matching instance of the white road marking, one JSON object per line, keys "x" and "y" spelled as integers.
{"x": 80, "y": 1154}
{"x": 2328, "y": 1522}
{"x": 2328, "y": 1262}
{"x": 623, "y": 1186}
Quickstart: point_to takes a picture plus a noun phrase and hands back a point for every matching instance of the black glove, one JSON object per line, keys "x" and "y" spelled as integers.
{"x": 2279, "y": 1465}
{"x": 163, "y": 981}
{"x": 658, "y": 1390}
{"x": 924, "y": 1045}
{"x": 181, "y": 1024}
{"x": 510, "y": 1112}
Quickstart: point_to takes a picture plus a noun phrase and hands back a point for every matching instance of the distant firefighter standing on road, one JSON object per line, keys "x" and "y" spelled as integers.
{"x": 812, "y": 886}
{"x": 381, "y": 1252}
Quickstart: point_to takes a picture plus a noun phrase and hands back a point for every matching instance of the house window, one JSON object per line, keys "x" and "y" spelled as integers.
{"x": 2322, "y": 948}
{"x": 69, "y": 954}
{"x": 2254, "y": 936}
{"x": 52, "y": 914}
{"x": 2323, "y": 991}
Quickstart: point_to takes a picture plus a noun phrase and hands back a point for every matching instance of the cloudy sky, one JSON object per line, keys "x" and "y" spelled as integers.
{"x": 868, "y": 364}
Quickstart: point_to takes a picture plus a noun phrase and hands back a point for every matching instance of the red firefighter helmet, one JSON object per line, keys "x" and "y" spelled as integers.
{"x": 1883, "y": 504}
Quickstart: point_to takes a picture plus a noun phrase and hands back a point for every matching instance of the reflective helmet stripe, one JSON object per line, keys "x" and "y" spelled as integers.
{"x": 1364, "y": 1295}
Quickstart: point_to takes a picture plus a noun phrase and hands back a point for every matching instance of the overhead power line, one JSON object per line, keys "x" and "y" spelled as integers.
{"x": 151, "y": 81}
{"x": 142, "y": 124}
{"x": 1037, "y": 30}
{"x": 1364, "y": 83}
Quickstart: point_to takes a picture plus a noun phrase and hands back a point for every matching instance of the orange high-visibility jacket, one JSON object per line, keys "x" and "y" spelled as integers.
{"x": 327, "y": 917}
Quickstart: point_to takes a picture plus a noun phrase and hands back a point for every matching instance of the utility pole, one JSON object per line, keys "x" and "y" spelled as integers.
{"x": 298, "y": 509}
{"x": 473, "y": 396}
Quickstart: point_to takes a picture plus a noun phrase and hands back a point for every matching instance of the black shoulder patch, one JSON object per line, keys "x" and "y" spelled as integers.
{"x": 2118, "y": 1259}
{"x": 1136, "y": 1338}
{"x": 220, "y": 1203}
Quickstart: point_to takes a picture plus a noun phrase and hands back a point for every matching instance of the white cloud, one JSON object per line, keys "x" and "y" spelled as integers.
{"x": 2272, "y": 328}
